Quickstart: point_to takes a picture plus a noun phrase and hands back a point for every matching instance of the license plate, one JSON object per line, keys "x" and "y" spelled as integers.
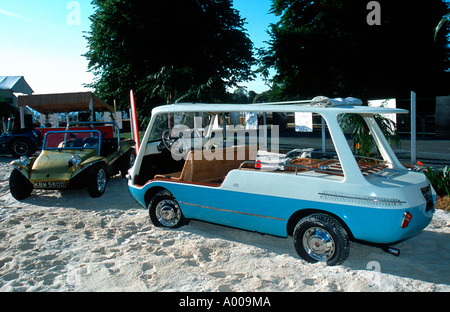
{"x": 50, "y": 185}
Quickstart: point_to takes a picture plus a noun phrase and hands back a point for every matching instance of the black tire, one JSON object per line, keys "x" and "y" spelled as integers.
{"x": 19, "y": 186}
{"x": 22, "y": 147}
{"x": 320, "y": 237}
{"x": 96, "y": 181}
{"x": 165, "y": 211}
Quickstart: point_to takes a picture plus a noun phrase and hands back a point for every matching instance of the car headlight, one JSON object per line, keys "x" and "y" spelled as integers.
{"x": 24, "y": 160}
{"x": 76, "y": 160}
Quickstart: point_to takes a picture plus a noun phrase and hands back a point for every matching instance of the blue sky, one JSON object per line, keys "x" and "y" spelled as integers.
{"x": 43, "y": 41}
{"x": 39, "y": 43}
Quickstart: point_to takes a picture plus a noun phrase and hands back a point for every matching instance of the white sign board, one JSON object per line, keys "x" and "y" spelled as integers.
{"x": 52, "y": 119}
{"x": 389, "y": 103}
{"x": 303, "y": 122}
{"x": 108, "y": 116}
{"x": 251, "y": 120}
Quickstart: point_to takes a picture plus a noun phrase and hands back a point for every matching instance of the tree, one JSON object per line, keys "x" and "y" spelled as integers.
{"x": 242, "y": 96}
{"x": 167, "y": 50}
{"x": 328, "y": 47}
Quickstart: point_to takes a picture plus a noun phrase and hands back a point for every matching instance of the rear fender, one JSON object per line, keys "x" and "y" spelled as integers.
{"x": 126, "y": 145}
{"x": 92, "y": 161}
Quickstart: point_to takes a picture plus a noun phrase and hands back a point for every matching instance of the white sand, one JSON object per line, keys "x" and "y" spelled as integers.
{"x": 67, "y": 241}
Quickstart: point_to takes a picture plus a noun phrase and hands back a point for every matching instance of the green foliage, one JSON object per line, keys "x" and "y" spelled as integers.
{"x": 167, "y": 50}
{"x": 327, "y": 47}
{"x": 440, "y": 179}
{"x": 242, "y": 96}
{"x": 362, "y": 140}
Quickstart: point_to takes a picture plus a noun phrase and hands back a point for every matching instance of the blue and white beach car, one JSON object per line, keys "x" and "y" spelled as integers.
{"x": 245, "y": 166}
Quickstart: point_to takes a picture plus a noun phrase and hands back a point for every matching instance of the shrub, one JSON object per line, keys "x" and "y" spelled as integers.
{"x": 440, "y": 179}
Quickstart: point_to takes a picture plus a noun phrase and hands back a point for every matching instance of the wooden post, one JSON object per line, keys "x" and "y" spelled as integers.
{"x": 91, "y": 109}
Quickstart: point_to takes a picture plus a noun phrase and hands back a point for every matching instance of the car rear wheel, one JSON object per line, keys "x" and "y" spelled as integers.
{"x": 165, "y": 211}
{"x": 22, "y": 147}
{"x": 19, "y": 186}
{"x": 96, "y": 181}
{"x": 321, "y": 238}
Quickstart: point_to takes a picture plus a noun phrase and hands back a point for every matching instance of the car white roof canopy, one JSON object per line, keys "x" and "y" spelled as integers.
{"x": 316, "y": 105}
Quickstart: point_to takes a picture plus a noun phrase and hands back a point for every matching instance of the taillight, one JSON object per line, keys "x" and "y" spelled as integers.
{"x": 407, "y": 216}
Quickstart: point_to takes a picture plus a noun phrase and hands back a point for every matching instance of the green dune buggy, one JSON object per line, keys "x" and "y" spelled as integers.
{"x": 76, "y": 158}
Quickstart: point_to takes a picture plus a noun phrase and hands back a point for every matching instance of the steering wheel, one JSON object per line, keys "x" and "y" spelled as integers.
{"x": 175, "y": 145}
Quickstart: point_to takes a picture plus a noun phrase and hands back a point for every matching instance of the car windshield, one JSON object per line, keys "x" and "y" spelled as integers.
{"x": 72, "y": 139}
{"x": 196, "y": 122}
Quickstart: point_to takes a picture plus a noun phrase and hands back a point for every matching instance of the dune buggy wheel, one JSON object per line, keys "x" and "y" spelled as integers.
{"x": 165, "y": 211}
{"x": 96, "y": 181}
{"x": 321, "y": 238}
{"x": 19, "y": 186}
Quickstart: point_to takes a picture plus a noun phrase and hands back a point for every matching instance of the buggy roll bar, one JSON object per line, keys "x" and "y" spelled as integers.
{"x": 98, "y": 123}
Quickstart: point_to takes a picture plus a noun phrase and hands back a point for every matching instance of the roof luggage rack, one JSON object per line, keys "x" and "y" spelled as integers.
{"x": 321, "y": 101}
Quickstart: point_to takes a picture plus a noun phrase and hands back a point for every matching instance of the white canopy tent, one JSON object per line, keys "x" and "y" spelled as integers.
{"x": 10, "y": 88}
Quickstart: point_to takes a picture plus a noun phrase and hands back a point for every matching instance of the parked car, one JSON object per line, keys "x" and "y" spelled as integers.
{"x": 73, "y": 159}
{"x": 20, "y": 142}
{"x": 325, "y": 196}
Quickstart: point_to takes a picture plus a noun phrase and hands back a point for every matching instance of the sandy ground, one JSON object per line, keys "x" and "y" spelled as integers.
{"x": 67, "y": 241}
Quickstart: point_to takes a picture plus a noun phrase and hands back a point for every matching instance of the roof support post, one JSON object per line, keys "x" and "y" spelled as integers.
{"x": 324, "y": 148}
{"x": 413, "y": 128}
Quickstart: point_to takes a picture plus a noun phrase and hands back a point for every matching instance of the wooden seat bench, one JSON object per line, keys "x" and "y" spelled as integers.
{"x": 199, "y": 167}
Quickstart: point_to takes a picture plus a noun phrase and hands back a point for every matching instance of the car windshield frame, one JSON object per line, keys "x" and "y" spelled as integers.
{"x": 68, "y": 137}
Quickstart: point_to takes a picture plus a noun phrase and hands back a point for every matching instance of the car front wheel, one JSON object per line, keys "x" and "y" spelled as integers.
{"x": 96, "y": 181}
{"x": 165, "y": 211}
{"x": 321, "y": 238}
{"x": 19, "y": 186}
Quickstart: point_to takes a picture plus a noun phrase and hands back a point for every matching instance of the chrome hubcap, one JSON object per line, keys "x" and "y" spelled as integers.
{"x": 101, "y": 180}
{"x": 168, "y": 213}
{"x": 319, "y": 244}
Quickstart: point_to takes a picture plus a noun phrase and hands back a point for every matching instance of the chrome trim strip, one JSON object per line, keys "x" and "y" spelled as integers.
{"x": 371, "y": 200}
{"x": 238, "y": 212}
